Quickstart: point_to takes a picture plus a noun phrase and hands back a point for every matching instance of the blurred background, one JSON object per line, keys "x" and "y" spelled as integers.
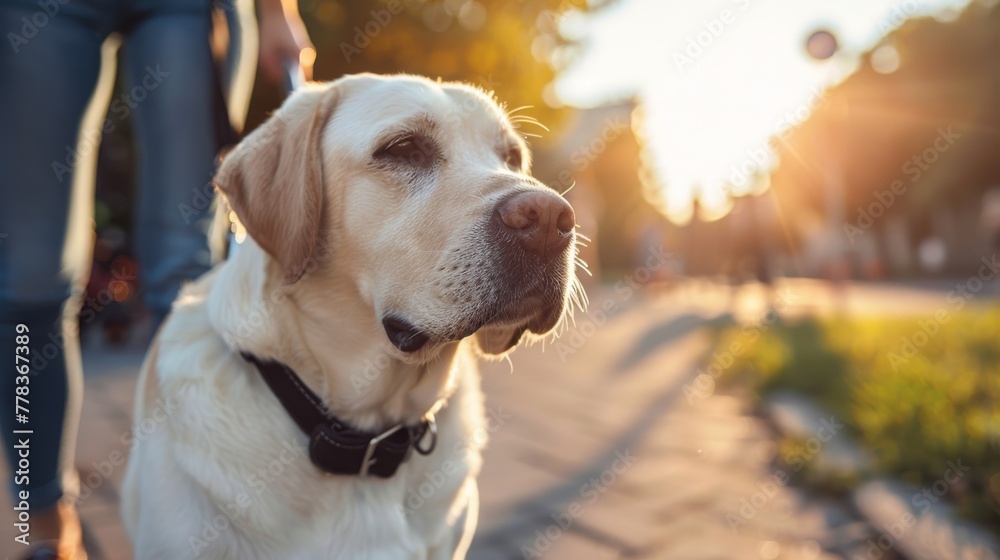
{"x": 793, "y": 343}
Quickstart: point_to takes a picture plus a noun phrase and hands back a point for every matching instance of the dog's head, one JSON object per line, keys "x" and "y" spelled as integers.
{"x": 416, "y": 194}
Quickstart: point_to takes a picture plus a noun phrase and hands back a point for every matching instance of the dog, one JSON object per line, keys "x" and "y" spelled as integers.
{"x": 395, "y": 236}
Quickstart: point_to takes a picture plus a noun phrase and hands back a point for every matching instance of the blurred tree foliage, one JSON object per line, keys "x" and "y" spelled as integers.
{"x": 512, "y": 47}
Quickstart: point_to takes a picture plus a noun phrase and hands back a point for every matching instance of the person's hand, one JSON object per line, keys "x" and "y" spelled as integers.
{"x": 283, "y": 38}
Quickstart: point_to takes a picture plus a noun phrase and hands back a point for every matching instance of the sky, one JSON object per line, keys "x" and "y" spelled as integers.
{"x": 717, "y": 78}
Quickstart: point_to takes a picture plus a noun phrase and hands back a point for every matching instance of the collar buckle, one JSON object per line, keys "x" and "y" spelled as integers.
{"x": 367, "y": 461}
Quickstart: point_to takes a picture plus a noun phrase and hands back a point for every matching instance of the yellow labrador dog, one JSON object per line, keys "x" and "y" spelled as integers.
{"x": 316, "y": 396}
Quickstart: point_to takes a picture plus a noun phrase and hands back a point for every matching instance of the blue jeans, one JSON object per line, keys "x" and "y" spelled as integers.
{"x": 49, "y": 68}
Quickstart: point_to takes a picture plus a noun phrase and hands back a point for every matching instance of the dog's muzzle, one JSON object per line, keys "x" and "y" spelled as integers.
{"x": 533, "y": 233}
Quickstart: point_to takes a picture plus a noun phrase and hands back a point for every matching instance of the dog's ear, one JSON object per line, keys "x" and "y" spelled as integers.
{"x": 273, "y": 179}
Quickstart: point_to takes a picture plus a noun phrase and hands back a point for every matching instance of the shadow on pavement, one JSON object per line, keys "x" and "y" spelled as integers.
{"x": 661, "y": 335}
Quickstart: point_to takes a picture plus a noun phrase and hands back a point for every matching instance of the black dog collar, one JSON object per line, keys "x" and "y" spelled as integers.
{"x": 335, "y": 447}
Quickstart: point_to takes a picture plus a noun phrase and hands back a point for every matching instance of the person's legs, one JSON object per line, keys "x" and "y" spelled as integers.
{"x": 48, "y": 79}
{"x": 170, "y": 75}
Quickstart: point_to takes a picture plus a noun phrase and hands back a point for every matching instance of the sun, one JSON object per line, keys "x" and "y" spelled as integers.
{"x": 719, "y": 82}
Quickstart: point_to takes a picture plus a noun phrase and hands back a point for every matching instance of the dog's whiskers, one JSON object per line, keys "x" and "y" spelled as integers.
{"x": 528, "y": 120}
{"x": 521, "y": 108}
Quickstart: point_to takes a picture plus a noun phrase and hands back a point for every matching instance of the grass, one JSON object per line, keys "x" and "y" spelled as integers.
{"x": 916, "y": 392}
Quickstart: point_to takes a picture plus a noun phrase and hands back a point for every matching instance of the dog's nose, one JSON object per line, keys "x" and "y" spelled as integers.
{"x": 540, "y": 221}
{"x": 403, "y": 334}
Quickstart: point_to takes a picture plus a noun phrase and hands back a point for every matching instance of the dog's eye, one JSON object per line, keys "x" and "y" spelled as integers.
{"x": 513, "y": 159}
{"x": 403, "y": 148}
{"x": 408, "y": 150}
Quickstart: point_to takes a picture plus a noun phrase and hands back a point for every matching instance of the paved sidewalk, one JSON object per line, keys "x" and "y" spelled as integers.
{"x": 595, "y": 452}
{"x": 557, "y": 484}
